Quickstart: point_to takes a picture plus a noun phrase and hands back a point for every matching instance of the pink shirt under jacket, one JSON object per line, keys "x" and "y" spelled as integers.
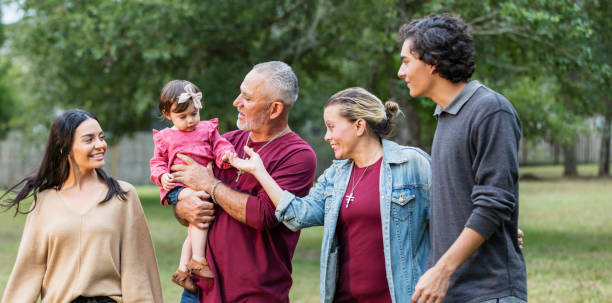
{"x": 203, "y": 144}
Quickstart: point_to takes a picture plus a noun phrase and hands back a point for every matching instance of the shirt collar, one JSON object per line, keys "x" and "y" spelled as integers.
{"x": 464, "y": 95}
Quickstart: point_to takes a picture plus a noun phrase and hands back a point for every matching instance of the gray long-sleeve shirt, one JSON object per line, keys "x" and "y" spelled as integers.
{"x": 475, "y": 185}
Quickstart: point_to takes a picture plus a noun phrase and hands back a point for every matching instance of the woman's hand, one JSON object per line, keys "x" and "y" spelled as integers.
{"x": 255, "y": 167}
{"x": 252, "y": 165}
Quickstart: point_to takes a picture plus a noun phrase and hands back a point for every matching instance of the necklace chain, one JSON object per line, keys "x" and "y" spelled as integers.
{"x": 286, "y": 130}
{"x": 351, "y": 197}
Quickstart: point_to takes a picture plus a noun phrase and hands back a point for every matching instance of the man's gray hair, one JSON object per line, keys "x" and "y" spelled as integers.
{"x": 281, "y": 77}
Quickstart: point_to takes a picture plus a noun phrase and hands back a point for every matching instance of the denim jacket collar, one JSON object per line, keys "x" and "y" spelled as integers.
{"x": 392, "y": 153}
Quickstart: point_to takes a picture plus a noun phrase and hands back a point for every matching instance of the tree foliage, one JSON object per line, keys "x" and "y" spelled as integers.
{"x": 6, "y": 99}
{"x": 112, "y": 57}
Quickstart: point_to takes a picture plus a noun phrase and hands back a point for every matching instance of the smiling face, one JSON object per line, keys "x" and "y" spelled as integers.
{"x": 186, "y": 120}
{"x": 419, "y": 76}
{"x": 253, "y": 102}
{"x": 342, "y": 134}
{"x": 88, "y": 146}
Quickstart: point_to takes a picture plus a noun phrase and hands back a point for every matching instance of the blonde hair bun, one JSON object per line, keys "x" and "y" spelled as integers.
{"x": 392, "y": 109}
{"x": 358, "y": 103}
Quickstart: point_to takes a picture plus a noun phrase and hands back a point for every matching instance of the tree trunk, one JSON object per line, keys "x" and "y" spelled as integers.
{"x": 569, "y": 160}
{"x": 555, "y": 153}
{"x": 524, "y": 152}
{"x": 604, "y": 151}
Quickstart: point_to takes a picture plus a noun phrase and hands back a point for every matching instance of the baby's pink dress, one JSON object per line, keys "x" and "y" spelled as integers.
{"x": 203, "y": 144}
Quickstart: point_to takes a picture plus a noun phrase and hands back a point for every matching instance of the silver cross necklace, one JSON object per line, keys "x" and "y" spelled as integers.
{"x": 351, "y": 197}
{"x": 286, "y": 130}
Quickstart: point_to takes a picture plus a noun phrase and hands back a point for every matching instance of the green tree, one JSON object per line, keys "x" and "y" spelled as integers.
{"x": 112, "y": 57}
{"x": 541, "y": 40}
{"x": 6, "y": 99}
{"x": 600, "y": 75}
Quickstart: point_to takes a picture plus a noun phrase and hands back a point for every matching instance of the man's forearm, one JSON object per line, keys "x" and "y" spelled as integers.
{"x": 433, "y": 284}
{"x": 233, "y": 202}
{"x": 468, "y": 241}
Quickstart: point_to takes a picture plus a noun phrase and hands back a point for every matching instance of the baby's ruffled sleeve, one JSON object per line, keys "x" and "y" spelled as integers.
{"x": 159, "y": 162}
{"x": 219, "y": 144}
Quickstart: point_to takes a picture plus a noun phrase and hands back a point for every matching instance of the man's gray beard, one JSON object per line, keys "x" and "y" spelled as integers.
{"x": 240, "y": 127}
{"x": 250, "y": 125}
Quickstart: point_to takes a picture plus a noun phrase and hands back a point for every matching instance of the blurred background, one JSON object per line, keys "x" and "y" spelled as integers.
{"x": 551, "y": 58}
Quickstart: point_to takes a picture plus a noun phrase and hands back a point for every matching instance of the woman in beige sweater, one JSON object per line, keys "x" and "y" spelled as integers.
{"x": 85, "y": 238}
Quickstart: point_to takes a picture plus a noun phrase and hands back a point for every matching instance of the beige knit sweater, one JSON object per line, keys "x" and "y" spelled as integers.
{"x": 107, "y": 251}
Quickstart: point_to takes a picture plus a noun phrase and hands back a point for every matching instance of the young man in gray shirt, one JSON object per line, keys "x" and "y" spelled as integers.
{"x": 475, "y": 254}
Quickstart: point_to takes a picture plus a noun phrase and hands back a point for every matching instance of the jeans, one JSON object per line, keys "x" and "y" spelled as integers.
{"x": 508, "y": 299}
{"x": 189, "y": 297}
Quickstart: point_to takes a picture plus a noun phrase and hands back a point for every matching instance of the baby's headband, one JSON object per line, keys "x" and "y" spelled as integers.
{"x": 190, "y": 93}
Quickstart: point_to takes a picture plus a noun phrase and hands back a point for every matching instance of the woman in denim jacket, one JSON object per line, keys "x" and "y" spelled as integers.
{"x": 373, "y": 203}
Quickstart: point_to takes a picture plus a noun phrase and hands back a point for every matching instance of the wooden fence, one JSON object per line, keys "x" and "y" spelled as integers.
{"x": 129, "y": 160}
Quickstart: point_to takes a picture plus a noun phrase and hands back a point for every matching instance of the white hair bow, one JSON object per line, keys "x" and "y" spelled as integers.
{"x": 190, "y": 93}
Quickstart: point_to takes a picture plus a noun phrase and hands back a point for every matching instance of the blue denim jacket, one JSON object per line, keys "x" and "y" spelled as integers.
{"x": 404, "y": 207}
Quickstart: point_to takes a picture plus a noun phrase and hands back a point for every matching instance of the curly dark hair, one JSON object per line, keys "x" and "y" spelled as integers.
{"x": 443, "y": 41}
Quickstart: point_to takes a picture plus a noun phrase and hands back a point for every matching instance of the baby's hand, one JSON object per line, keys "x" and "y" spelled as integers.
{"x": 252, "y": 164}
{"x": 227, "y": 156}
{"x": 167, "y": 181}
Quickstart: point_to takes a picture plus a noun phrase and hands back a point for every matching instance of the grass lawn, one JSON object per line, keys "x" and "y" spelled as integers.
{"x": 568, "y": 235}
{"x": 568, "y": 241}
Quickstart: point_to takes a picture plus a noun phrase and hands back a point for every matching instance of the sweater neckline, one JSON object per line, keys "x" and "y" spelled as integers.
{"x": 65, "y": 204}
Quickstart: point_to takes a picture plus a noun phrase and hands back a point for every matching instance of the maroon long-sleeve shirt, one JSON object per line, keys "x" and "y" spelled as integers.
{"x": 252, "y": 262}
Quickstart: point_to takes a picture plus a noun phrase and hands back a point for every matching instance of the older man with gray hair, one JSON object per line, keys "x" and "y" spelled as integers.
{"x": 248, "y": 250}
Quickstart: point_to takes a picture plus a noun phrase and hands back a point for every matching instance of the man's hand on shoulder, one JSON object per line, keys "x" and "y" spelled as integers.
{"x": 194, "y": 208}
